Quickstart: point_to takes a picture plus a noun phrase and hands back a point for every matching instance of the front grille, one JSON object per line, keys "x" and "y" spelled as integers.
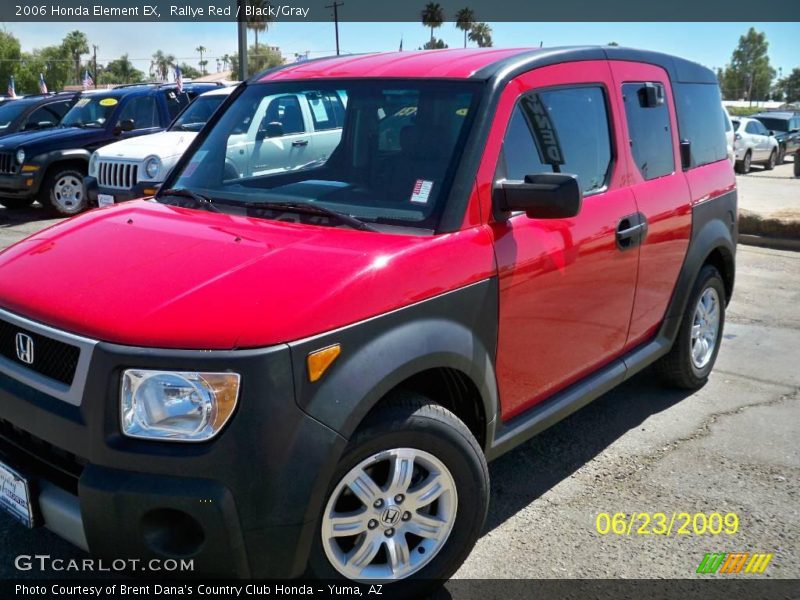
{"x": 7, "y": 163}
{"x": 51, "y": 358}
{"x": 117, "y": 174}
{"x": 36, "y": 457}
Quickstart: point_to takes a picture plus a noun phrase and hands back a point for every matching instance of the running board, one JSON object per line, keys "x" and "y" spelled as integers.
{"x": 508, "y": 436}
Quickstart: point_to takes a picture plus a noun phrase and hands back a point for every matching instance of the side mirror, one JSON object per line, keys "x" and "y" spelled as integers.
{"x": 686, "y": 152}
{"x": 126, "y": 125}
{"x": 45, "y": 124}
{"x": 274, "y": 129}
{"x": 541, "y": 196}
{"x": 770, "y": 132}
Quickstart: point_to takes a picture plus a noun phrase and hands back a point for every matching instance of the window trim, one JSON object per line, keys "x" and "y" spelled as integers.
{"x": 673, "y": 127}
{"x": 501, "y": 169}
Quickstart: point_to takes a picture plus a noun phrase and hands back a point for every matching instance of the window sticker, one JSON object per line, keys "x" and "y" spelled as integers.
{"x": 318, "y": 108}
{"x": 462, "y": 112}
{"x": 422, "y": 190}
{"x": 193, "y": 163}
{"x": 108, "y": 102}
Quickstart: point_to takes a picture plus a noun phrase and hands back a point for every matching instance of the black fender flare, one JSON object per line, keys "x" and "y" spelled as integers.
{"x": 456, "y": 330}
{"x": 714, "y": 228}
{"x": 48, "y": 159}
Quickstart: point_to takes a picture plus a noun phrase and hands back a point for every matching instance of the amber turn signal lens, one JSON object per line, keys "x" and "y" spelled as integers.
{"x": 29, "y": 168}
{"x": 320, "y": 360}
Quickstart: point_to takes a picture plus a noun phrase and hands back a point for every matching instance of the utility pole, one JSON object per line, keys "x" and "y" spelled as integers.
{"x": 94, "y": 61}
{"x": 242, "y": 25}
{"x": 335, "y": 6}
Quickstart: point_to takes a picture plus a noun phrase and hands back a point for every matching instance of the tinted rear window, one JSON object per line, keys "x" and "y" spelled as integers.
{"x": 649, "y": 130}
{"x": 700, "y": 121}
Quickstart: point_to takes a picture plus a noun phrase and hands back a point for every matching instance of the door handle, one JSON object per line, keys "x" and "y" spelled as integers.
{"x": 298, "y": 143}
{"x": 631, "y": 231}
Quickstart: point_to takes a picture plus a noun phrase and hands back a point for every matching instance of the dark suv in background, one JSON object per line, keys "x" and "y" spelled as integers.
{"x": 786, "y": 125}
{"x": 51, "y": 165}
{"x": 32, "y": 113}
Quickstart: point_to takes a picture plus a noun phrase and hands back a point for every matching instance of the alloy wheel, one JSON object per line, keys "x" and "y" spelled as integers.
{"x": 389, "y": 515}
{"x": 68, "y": 193}
{"x": 705, "y": 327}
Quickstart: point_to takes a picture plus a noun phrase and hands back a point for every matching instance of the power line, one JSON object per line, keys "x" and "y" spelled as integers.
{"x": 335, "y": 6}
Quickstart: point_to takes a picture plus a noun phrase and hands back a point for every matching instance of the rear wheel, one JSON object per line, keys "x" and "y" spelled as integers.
{"x": 695, "y": 349}
{"x": 781, "y": 155}
{"x": 65, "y": 192}
{"x": 408, "y": 500}
{"x": 797, "y": 164}
{"x": 743, "y": 166}
{"x": 16, "y": 203}
{"x": 770, "y": 164}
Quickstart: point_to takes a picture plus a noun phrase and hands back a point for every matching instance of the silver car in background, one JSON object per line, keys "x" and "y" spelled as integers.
{"x": 753, "y": 143}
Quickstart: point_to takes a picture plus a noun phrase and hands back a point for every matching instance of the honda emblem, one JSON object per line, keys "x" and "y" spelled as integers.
{"x": 25, "y": 348}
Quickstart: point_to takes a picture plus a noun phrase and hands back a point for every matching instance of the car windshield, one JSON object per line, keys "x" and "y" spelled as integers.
{"x": 197, "y": 113}
{"x": 90, "y": 111}
{"x": 775, "y": 124}
{"x": 10, "y": 111}
{"x": 383, "y": 152}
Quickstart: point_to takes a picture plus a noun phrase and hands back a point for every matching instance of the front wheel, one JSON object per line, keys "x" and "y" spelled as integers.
{"x": 770, "y": 164}
{"x": 408, "y": 500}
{"x": 695, "y": 349}
{"x": 781, "y": 155}
{"x": 65, "y": 192}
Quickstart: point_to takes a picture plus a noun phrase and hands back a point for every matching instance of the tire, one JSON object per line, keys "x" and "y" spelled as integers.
{"x": 16, "y": 203}
{"x": 743, "y": 166}
{"x": 679, "y": 368}
{"x": 408, "y": 426}
{"x": 781, "y": 155}
{"x": 770, "y": 164}
{"x": 64, "y": 191}
{"x": 797, "y": 164}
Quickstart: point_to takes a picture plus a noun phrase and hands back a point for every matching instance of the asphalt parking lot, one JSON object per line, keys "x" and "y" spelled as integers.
{"x": 732, "y": 447}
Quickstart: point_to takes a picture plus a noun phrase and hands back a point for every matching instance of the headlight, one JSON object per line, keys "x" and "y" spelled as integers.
{"x": 20, "y": 156}
{"x": 177, "y": 406}
{"x": 93, "y": 165}
{"x": 152, "y": 166}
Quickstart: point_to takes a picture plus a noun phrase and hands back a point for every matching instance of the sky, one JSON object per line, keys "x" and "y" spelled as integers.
{"x": 710, "y": 44}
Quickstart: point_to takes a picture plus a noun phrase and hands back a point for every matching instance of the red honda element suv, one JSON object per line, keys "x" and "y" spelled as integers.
{"x": 367, "y": 277}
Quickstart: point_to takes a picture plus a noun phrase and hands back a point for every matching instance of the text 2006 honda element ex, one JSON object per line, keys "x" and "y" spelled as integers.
{"x": 298, "y": 357}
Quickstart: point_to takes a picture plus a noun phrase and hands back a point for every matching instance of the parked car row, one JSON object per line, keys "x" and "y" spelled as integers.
{"x": 47, "y": 156}
{"x": 765, "y": 138}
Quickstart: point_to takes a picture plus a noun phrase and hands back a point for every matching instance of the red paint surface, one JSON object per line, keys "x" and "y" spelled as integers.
{"x": 455, "y": 63}
{"x": 176, "y": 278}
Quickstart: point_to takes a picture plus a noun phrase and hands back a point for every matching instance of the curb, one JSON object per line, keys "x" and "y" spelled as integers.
{"x": 769, "y": 242}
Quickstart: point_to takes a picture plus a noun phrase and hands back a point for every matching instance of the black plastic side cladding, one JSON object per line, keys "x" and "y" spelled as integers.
{"x": 456, "y": 330}
{"x": 714, "y": 230}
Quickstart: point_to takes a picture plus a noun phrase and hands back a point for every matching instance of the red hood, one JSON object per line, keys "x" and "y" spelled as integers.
{"x": 146, "y": 274}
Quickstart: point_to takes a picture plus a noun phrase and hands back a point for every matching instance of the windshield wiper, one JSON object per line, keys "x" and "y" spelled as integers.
{"x": 314, "y": 209}
{"x": 200, "y": 201}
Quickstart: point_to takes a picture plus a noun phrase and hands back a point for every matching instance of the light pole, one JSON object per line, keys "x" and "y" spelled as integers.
{"x": 335, "y": 6}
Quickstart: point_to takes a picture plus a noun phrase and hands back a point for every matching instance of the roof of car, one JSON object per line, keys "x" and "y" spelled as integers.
{"x": 776, "y": 114}
{"x": 220, "y": 91}
{"x": 146, "y": 88}
{"x": 476, "y": 63}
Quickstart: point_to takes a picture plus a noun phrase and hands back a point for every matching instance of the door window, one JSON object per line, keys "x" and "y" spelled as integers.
{"x": 43, "y": 116}
{"x": 751, "y": 127}
{"x": 142, "y": 111}
{"x": 175, "y": 102}
{"x": 649, "y": 130}
{"x": 286, "y": 111}
{"x": 560, "y": 131}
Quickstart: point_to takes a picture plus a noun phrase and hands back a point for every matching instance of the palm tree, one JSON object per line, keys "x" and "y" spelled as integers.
{"x": 75, "y": 44}
{"x": 256, "y": 21}
{"x": 225, "y": 60}
{"x": 465, "y": 19}
{"x": 481, "y": 34}
{"x": 161, "y": 64}
{"x": 432, "y": 16}
{"x": 202, "y": 62}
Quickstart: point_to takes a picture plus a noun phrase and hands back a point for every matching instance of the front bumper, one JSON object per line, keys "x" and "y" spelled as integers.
{"x": 20, "y": 185}
{"x": 242, "y": 505}
{"x": 140, "y": 190}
